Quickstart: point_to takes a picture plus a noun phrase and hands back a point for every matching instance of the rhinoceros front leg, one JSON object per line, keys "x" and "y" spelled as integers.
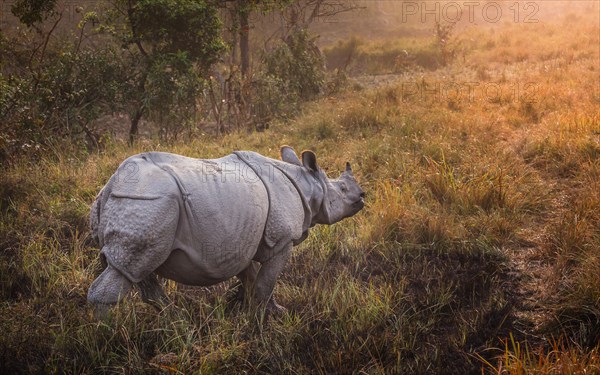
{"x": 108, "y": 289}
{"x": 266, "y": 278}
{"x": 152, "y": 292}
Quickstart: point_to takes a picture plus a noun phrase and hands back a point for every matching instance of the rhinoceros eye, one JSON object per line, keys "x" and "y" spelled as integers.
{"x": 343, "y": 187}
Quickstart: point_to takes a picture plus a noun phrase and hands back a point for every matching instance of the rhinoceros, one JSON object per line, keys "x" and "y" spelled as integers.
{"x": 203, "y": 221}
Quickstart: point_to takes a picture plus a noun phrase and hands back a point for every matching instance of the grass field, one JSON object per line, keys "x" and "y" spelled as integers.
{"x": 478, "y": 249}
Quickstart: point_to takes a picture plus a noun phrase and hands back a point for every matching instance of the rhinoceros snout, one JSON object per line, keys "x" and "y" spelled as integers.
{"x": 359, "y": 205}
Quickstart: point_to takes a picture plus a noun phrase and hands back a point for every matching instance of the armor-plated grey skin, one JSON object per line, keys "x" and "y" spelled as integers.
{"x": 201, "y": 221}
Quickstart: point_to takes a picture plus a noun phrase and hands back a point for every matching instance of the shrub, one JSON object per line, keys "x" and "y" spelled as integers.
{"x": 59, "y": 100}
{"x": 298, "y": 63}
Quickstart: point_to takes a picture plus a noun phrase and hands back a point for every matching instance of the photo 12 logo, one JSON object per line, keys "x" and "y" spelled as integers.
{"x": 471, "y": 11}
{"x": 469, "y": 92}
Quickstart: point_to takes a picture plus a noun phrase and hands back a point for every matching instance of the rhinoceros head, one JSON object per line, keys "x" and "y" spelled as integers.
{"x": 340, "y": 198}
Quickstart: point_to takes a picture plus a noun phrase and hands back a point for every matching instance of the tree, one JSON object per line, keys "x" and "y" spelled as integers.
{"x": 242, "y": 10}
{"x": 33, "y": 12}
{"x": 301, "y": 13}
{"x": 298, "y": 15}
{"x": 170, "y": 46}
{"x": 156, "y": 68}
{"x": 50, "y": 88}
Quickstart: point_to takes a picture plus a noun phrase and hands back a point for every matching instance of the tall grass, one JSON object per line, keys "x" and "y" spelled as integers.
{"x": 560, "y": 358}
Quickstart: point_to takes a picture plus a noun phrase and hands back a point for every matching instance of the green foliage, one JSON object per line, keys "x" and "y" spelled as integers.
{"x": 52, "y": 90}
{"x": 171, "y": 45}
{"x": 59, "y": 100}
{"x": 292, "y": 73}
{"x": 83, "y": 85}
{"x": 31, "y": 12}
{"x": 175, "y": 27}
{"x": 299, "y": 63}
{"x": 172, "y": 87}
{"x": 273, "y": 97}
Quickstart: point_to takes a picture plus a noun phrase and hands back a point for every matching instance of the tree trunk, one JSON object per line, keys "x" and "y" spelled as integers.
{"x": 139, "y": 112}
{"x": 135, "y": 120}
{"x": 244, "y": 36}
{"x": 294, "y": 17}
{"x": 232, "y": 25}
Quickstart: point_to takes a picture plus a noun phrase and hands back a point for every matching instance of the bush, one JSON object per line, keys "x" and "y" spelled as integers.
{"x": 298, "y": 63}
{"x": 145, "y": 58}
{"x": 58, "y": 100}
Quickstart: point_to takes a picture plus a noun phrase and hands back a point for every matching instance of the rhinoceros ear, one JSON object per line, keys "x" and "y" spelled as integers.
{"x": 348, "y": 167}
{"x": 289, "y": 155}
{"x": 309, "y": 159}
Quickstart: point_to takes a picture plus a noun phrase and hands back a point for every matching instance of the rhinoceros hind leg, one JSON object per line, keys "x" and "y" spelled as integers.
{"x": 266, "y": 278}
{"x": 152, "y": 292}
{"x": 108, "y": 289}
